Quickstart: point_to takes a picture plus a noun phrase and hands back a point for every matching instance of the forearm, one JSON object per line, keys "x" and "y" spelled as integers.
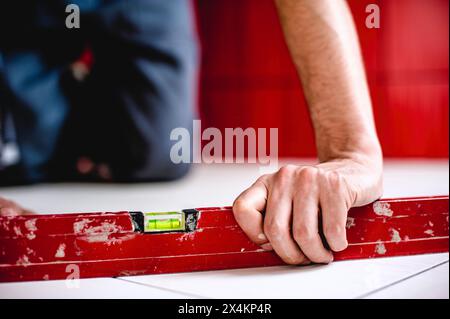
{"x": 324, "y": 46}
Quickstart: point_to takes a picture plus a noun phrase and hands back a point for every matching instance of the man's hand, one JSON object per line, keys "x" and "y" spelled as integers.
{"x": 289, "y": 210}
{"x": 9, "y": 208}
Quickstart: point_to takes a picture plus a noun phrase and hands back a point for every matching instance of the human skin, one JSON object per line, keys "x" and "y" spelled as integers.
{"x": 288, "y": 210}
{"x": 10, "y": 208}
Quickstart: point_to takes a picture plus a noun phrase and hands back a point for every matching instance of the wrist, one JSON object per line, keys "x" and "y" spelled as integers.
{"x": 365, "y": 150}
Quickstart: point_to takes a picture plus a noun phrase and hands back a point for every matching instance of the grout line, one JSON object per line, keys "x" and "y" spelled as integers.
{"x": 162, "y": 288}
{"x": 401, "y": 280}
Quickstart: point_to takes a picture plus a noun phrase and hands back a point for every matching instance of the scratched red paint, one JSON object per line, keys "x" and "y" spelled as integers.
{"x": 40, "y": 247}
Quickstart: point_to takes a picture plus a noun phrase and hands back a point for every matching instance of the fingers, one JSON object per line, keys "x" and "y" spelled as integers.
{"x": 292, "y": 225}
{"x": 9, "y": 208}
{"x": 306, "y": 217}
{"x": 248, "y": 208}
{"x": 334, "y": 211}
{"x": 278, "y": 219}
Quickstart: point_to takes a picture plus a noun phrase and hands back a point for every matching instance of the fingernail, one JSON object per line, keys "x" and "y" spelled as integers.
{"x": 262, "y": 237}
{"x": 267, "y": 246}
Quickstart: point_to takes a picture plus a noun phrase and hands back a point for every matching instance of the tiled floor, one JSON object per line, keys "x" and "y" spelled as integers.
{"x": 424, "y": 276}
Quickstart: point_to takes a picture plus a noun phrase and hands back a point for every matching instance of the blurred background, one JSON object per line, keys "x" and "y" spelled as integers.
{"x": 248, "y": 80}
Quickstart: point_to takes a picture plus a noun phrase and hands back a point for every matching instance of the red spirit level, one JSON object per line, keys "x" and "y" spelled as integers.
{"x": 42, "y": 247}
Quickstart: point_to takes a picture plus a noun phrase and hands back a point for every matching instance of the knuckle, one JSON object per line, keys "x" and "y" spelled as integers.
{"x": 303, "y": 235}
{"x": 334, "y": 179}
{"x": 274, "y": 229}
{"x": 239, "y": 206}
{"x": 288, "y": 168}
{"x": 307, "y": 174}
{"x": 263, "y": 178}
{"x": 286, "y": 171}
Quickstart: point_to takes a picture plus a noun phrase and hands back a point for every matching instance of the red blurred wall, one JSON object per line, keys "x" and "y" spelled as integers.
{"x": 248, "y": 80}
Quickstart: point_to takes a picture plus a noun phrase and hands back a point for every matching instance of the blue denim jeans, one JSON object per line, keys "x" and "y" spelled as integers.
{"x": 143, "y": 83}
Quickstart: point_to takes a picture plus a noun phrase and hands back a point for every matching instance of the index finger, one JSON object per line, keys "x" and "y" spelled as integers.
{"x": 248, "y": 209}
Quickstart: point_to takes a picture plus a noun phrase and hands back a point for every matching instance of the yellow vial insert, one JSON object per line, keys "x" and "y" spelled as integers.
{"x": 167, "y": 221}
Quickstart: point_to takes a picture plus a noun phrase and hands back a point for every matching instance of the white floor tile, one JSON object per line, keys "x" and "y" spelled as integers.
{"x": 431, "y": 284}
{"x": 345, "y": 279}
{"x": 83, "y": 288}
